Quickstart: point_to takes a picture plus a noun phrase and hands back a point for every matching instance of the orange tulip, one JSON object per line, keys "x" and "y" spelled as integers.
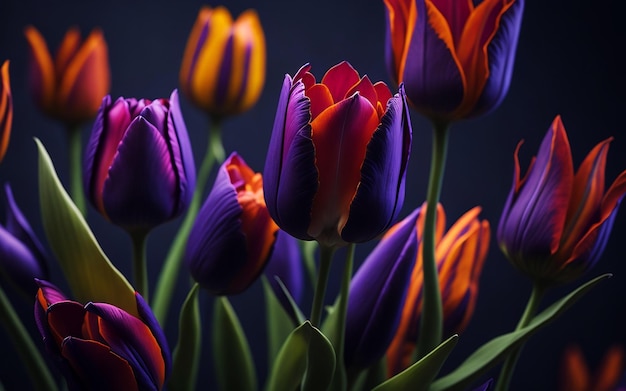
{"x": 575, "y": 375}
{"x": 6, "y": 109}
{"x": 69, "y": 88}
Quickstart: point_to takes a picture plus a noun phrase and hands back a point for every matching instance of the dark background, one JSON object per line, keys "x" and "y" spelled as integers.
{"x": 568, "y": 62}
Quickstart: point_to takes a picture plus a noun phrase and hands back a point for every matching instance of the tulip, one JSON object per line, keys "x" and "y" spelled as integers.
{"x": 139, "y": 170}
{"x": 71, "y": 86}
{"x": 455, "y": 59}
{"x": 575, "y": 374}
{"x": 336, "y": 164}
{"x": 460, "y": 254}
{"x": 233, "y": 235}
{"x": 286, "y": 264}
{"x": 6, "y": 109}
{"x": 377, "y": 294}
{"x": 22, "y": 256}
{"x": 555, "y": 224}
{"x": 223, "y": 68}
{"x": 100, "y": 346}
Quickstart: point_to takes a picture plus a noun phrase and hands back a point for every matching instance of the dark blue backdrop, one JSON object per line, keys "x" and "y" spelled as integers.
{"x": 568, "y": 62}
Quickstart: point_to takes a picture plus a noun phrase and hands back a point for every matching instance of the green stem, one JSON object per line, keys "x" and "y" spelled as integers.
{"x": 431, "y": 323}
{"x": 506, "y": 373}
{"x": 76, "y": 168}
{"x": 326, "y": 256}
{"x": 140, "y": 264}
{"x": 341, "y": 379}
{"x": 171, "y": 266}
{"x": 24, "y": 346}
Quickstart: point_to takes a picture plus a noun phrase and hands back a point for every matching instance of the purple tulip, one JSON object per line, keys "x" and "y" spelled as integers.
{"x": 337, "y": 158}
{"x": 377, "y": 294}
{"x": 139, "y": 170}
{"x": 22, "y": 256}
{"x": 555, "y": 223}
{"x": 286, "y": 264}
{"x": 100, "y": 346}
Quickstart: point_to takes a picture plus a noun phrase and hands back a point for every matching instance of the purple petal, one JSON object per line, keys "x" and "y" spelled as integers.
{"x": 141, "y": 189}
{"x": 91, "y": 149}
{"x": 182, "y": 154}
{"x": 501, "y": 57}
{"x": 146, "y": 314}
{"x": 377, "y": 295}
{"x": 380, "y": 194}
{"x": 484, "y": 387}
{"x": 18, "y": 264}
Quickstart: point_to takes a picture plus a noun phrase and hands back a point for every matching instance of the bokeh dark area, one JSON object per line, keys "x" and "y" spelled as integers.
{"x": 569, "y": 62}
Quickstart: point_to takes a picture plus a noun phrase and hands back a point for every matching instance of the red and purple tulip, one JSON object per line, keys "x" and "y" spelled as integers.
{"x": 336, "y": 164}
{"x": 6, "y": 109}
{"x": 576, "y": 376}
{"x": 460, "y": 254}
{"x": 233, "y": 235}
{"x": 139, "y": 170}
{"x": 556, "y": 223}
{"x": 223, "y": 69}
{"x": 100, "y": 346}
{"x": 71, "y": 86}
{"x": 22, "y": 256}
{"x": 454, "y": 58}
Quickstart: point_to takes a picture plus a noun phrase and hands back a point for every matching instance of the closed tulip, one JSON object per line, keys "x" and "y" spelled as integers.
{"x": 460, "y": 254}
{"x": 336, "y": 163}
{"x": 233, "y": 235}
{"x": 22, "y": 256}
{"x": 71, "y": 86}
{"x": 454, "y": 58}
{"x": 100, "y": 346}
{"x": 556, "y": 223}
{"x": 6, "y": 109}
{"x": 139, "y": 170}
{"x": 223, "y": 68}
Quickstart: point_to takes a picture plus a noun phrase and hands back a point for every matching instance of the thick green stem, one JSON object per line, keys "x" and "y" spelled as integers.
{"x": 76, "y": 168}
{"x": 326, "y": 256}
{"x": 506, "y": 373}
{"x": 341, "y": 380}
{"x": 39, "y": 375}
{"x": 140, "y": 263}
{"x": 432, "y": 313}
{"x": 171, "y": 266}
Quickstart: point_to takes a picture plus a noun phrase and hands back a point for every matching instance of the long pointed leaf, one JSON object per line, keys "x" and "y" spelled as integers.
{"x": 89, "y": 273}
{"x": 279, "y": 323}
{"x": 189, "y": 346}
{"x": 320, "y": 362}
{"x": 495, "y": 350}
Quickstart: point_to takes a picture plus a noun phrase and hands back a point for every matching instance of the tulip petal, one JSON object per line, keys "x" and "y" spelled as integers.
{"x": 65, "y": 319}
{"x": 69, "y": 46}
{"x": 400, "y": 20}
{"x": 148, "y": 317}
{"x": 6, "y": 109}
{"x": 340, "y": 79}
{"x": 142, "y": 168}
{"x": 41, "y": 69}
{"x": 18, "y": 264}
{"x": 456, "y": 13}
{"x": 290, "y": 177}
{"x": 97, "y": 367}
{"x": 249, "y": 32}
{"x": 380, "y": 193}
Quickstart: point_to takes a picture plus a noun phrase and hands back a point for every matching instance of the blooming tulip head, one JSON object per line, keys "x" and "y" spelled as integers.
{"x": 139, "y": 170}
{"x": 555, "y": 224}
{"x": 455, "y": 59}
{"x": 100, "y": 346}
{"x": 22, "y": 256}
{"x": 71, "y": 86}
{"x": 6, "y": 109}
{"x": 223, "y": 69}
{"x": 337, "y": 158}
{"x": 233, "y": 235}
{"x": 460, "y": 254}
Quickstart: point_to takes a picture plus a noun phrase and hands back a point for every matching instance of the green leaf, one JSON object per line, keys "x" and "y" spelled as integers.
{"x": 233, "y": 360}
{"x": 420, "y": 375}
{"x": 189, "y": 346}
{"x": 305, "y": 351}
{"x": 89, "y": 273}
{"x": 294, "y": 306}
{"x": 491, "y": 353}
{"x": 308, "y": 257}
{"x": 279, "y": 323}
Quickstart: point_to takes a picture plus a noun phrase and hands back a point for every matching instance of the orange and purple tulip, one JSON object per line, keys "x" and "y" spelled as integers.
{"x": 71, "y": 86}
{"x": 377, "y": 294}
{"x": 454, "y": 58}
{"x": 6, "y": 109}
{"x": 555, "y": 224}
{"x": 336, "y": 163}
{"x": 460, "y": 254}
{"x": 100, "y": 346}
{"x": 22, "y": 256}
{"x": 576, "y": 376}
{"x": 139, "y": 170}
{"x": 223, "y": 68}
{"x": 233, "y": 235}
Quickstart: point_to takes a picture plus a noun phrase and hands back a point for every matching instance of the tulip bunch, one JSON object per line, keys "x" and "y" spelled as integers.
{"x": 334, "y": 176}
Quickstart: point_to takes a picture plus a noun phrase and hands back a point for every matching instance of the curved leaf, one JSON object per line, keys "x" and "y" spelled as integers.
{"x": 279, "y": 324}
{"x": 188, "y": 349}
